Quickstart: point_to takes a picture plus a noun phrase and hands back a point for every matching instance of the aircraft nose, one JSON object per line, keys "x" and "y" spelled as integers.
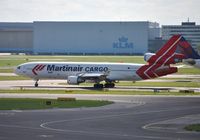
{"x": 17, "y": 70}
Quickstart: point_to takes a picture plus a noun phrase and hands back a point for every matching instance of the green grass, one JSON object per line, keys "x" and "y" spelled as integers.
{"x": 161, "y": 84}
{"x": 103, "y": 91}
{"x": 22, "y": 103}
{"x": 193, "y": 127}
{"x": 10, "y": 61}
{"x": 178, "y": 83}
{"x": 6, "y": 70}
{"x": 188, "y": 71}
{"x": 7, "y": 78}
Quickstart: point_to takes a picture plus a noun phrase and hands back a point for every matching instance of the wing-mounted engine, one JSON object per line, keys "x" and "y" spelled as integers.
{"x": 75, "y": 80}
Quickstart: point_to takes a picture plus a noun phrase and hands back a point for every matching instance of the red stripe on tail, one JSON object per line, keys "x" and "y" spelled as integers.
{"x": 162, "y": 57}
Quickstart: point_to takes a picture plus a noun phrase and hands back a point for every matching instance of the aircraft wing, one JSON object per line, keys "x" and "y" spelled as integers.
{"x": 100, "y": 76}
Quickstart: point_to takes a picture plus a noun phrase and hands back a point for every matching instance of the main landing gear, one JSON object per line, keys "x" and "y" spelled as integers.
{"x": 98, "y": 86}
{"x": 109, "y": 85}
{"x": 36, "y": 83}
{"x": 106, "y": 85}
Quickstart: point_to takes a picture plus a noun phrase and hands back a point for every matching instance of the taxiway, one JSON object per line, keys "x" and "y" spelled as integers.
{"x": 131, "y": 117}
{"x": 55, "y": 85}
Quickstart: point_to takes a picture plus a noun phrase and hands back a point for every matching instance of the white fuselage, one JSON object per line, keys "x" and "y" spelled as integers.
{"x": 62, "y": 70}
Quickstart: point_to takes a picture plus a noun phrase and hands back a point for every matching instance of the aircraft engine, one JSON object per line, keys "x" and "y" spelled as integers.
{"x": 175, "y": 58}
{"x": 74, "y": 80}
{"x": 147, "y": 56}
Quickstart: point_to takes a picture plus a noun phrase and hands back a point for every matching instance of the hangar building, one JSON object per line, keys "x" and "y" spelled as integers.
{"x": 78, "y": 37}
{"x": 16, "y": 37}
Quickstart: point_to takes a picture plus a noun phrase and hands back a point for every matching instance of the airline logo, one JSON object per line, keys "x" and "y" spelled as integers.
{"x": 37, "y": 68}
{"x": 186, "y": 49}
{"x": 162, "y": 58}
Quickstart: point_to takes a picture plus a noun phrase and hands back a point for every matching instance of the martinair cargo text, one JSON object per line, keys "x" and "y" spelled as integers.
{"x": 159, "y": 64}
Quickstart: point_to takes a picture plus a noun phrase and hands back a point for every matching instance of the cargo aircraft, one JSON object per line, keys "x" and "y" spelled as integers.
{"x": 159, "y": 64}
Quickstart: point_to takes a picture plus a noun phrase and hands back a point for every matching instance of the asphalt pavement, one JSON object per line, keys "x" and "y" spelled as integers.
{"x": 131, "y": 117}
{"x": 55, "y": 85}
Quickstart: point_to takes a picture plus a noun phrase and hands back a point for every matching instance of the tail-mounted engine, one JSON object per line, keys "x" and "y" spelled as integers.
{"x": 147, "y": 56}
{"x": 167, "y": 60}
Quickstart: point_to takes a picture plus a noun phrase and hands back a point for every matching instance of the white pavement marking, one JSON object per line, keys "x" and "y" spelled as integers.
{"x": 45, "y": 124}
{"x": 45, "y": 136}
{"x": 8, "y": 74}
{"x": 185, "y": 120}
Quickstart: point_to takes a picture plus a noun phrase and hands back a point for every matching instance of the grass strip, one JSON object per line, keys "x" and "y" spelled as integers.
{"x": 178, "y": 83}
{"x": 7, "y": 70}
{"x": 6, "y": 61}
{"x": 27, "y": 103}
{"x": 193, "y": 127}
{"x": 192, "y": 70}
{"x": 162, "y": 84}
{"x": 8, "y": 78}
{"x": 103, "y": 91}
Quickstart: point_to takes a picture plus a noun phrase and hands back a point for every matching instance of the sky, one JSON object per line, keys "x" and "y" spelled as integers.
{"x": 165, "y": 12}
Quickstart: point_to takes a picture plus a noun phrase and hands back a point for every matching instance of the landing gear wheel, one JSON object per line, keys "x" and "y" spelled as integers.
{"x": 112, "y": 85}
{"x": 109, "y": 85}
{"x": 36, "y": 84}
{"x": 99, "y": 86}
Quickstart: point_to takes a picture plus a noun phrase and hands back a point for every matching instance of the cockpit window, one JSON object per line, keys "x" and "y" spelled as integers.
{"x": 18, "y": 68}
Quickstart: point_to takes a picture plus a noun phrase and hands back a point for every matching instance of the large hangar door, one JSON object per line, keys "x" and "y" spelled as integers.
{"x": 16, "y": 41}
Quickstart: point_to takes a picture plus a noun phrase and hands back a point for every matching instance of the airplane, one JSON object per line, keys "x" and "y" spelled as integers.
{"x": 159, "y": 64}
{"x": 191, "y": 56}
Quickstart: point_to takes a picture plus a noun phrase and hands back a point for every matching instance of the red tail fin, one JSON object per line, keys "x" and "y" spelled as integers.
{"x": 166, "y": 52}
{"x": 164, "y": 57}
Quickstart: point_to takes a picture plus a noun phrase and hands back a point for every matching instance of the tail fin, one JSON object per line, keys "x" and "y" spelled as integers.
{"x": 186, "y": 49}
{"x": 166, "y": 55}
{"x": 159, "y": 64}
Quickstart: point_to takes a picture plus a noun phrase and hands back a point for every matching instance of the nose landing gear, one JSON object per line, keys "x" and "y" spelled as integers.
{"x": 36, "y": 83}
